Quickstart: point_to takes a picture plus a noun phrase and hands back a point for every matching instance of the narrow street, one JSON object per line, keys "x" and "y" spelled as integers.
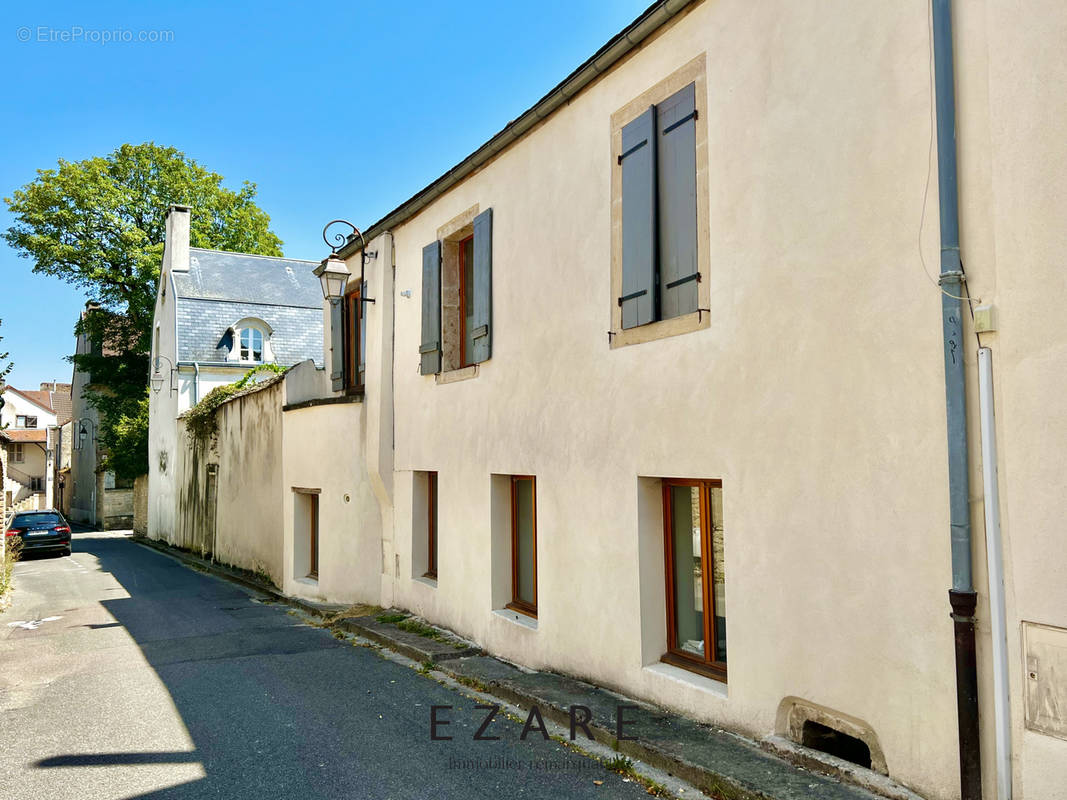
{"x": 124, "y": 674}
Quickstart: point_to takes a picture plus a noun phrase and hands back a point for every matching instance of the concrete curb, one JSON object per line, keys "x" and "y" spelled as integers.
{"x": 722, "y": 764}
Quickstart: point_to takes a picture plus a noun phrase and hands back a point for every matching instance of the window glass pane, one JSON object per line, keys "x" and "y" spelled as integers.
{"x": 718, "y": 572}
{"x": 257, "y": 345}
{"x": 688, "y": 570}
{"x": 244, "y": 344}
{"x": 524, "y": 530}
{"x": 433, "y": 520}
{"x": 468, "y": 300}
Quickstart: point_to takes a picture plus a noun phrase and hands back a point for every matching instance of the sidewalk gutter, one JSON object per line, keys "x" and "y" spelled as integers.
{"x": 722, "y": 764}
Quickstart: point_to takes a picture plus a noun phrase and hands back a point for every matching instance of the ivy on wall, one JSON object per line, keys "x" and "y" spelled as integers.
{"x": 202, "y": 421}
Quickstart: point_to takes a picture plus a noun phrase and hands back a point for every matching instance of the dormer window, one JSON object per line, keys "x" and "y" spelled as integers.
{"x": 250, "y": 342}
{"x": 251, "y": 345}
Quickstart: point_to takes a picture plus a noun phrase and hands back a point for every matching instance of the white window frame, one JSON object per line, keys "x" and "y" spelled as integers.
{"x": 238, "y": 349}
{"x": 18, "y": 455}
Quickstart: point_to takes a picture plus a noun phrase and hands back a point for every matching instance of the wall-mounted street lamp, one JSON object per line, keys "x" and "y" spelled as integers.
{"x": 332, "y": 272}
{"x": 84, "y": 428}
{"x": 157, "y": 375}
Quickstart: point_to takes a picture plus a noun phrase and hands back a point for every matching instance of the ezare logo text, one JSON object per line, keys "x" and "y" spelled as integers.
{"x": 579, "y": 717}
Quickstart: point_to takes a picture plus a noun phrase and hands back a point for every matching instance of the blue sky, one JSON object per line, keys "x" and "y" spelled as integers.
{"x": 311, "y": 101}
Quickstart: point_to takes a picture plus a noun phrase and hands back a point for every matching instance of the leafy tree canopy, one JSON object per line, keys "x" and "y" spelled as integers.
{"x": 99, "y": 224}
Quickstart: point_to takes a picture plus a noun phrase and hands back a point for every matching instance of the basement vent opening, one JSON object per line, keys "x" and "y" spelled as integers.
{"x": 827, "y": 740}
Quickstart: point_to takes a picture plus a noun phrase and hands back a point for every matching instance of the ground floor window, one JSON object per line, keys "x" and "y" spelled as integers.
{"x": 431, "y": 525}
{"x": 696, "y": 579}
{"x": 313, "y": 530}
{"x": 36, "y": 484}
{"x": 523, "y": 545}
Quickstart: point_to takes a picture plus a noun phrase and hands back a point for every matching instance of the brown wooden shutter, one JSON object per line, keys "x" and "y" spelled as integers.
{"x": 482, "y": 329}
{"x": 638, "y": 160}
{"x": 430, "y": 349}
{"x": 337, "y": 346}
{"x": 677, "y": 203}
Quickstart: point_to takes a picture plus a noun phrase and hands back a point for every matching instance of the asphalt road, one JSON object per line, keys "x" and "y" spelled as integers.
{"x": 125, "y": 674}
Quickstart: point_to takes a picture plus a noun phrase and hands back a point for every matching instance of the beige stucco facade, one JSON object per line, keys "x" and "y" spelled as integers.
{"x": 812, "y": 387}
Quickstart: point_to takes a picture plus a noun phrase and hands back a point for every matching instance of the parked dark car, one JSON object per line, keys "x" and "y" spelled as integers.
{"x": 41, "y": 531}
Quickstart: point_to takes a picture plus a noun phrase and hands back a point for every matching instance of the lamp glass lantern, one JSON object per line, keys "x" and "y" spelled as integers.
{"x": 157, "y": 380}
{"x": 333, "y": 275}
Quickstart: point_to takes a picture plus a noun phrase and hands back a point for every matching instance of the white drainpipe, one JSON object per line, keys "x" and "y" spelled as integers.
{"x": 995, "y": 566}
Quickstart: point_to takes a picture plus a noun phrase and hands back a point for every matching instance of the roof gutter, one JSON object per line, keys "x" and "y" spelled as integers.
{"x": 630, "y": 38}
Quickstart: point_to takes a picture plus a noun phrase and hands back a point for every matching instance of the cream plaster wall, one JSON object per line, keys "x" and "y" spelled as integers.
{"x": 249, "y": 496}
{"x": 815, "y": 395}
{"x": 1016, "y": 171}
{"x": 323, "y": 449}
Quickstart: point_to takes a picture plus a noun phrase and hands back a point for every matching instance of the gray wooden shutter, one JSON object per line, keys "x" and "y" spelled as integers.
{"x": 430, "y": 349}
{"x": 361, "y": 336}
{"x": 337, "y": 346}
{"x": 482, "y": 329}
{"x": 638, "y": 160}
{"x": 677, "y": 203}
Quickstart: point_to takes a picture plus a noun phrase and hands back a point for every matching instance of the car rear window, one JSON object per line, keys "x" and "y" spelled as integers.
{"x": 35, "y": 521}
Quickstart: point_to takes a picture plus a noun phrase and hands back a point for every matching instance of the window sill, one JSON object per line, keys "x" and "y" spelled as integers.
{"x": 307, "y": 581}
{"x": 427, "y": 580}
{"x": 697, "y": 320}
{"x": 457, "y": 375}
{"x": 689, "y": 678}
{"x": 517, "y": 618}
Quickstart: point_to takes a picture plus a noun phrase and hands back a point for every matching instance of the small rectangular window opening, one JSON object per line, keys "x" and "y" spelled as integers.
{"x": 523, "y": 545}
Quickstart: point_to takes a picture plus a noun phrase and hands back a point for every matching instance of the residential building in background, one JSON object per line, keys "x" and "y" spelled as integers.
{"x": 650, "y": 390}
{"x": 30, "y": 435}
{"x": 98, "y": 497}
{"x": 217, "y": 316}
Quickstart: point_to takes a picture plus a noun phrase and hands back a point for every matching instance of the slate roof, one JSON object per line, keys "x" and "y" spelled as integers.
{"x": 221, "y": 288}
{"x": 203, "y": 324}
{"x": 238, "y": 277}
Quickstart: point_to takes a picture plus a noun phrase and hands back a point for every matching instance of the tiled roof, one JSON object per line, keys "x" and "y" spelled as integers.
{"x": 61, "y": 400}
{"x": 43, "y": 399}
{"x": 238, "y": 277}
{"x": 25, "y": 435}
{"x": 203, "y": 325}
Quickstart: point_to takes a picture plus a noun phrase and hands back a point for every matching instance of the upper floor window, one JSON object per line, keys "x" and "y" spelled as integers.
{"x": 24, "y": 421}
{"x": 457, "y": 295}
{"x": 251, "y": 342}
{"x": 659, "y": 200}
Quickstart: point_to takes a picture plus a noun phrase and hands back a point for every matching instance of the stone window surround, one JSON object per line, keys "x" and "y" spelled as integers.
{"x": 693, "y": 72}
{"x": 450, "y": 235}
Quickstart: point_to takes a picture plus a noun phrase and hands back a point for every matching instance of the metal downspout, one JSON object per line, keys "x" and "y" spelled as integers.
{"x": 962, "y": 596}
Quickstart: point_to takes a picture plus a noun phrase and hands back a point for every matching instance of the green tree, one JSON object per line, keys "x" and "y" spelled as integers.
{"x": 5, "y": 369}
{"x": 99, "y": 224}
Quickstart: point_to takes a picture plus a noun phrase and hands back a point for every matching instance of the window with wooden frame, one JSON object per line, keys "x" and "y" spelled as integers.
{"x": 18, "y": 455}
{"x": 696, "y": 579}
{"x": 466, "y": 302}
{"x": 457, "y": 295}
{"x": 523, "y": 545}
{"x": 431, "y": 526}
{"x": 313, "y": 538}
{"x": 354, "y": 342}
{"x": 25, "y": 421}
